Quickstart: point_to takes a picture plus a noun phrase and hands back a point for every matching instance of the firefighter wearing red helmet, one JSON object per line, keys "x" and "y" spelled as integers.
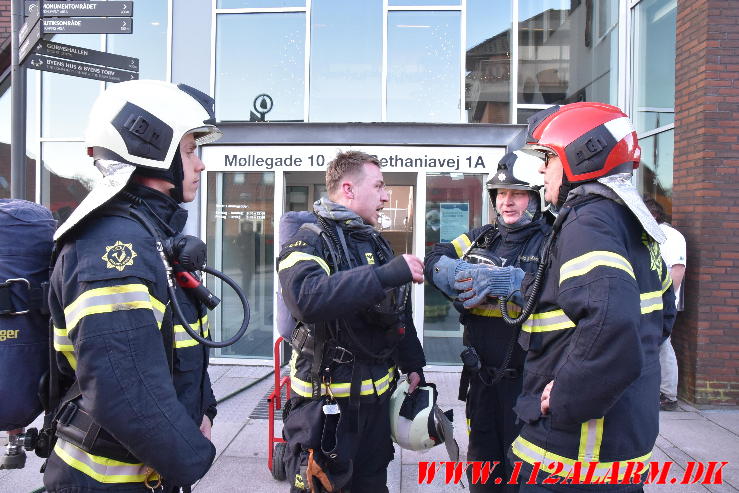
{"x": 591, "y": 378}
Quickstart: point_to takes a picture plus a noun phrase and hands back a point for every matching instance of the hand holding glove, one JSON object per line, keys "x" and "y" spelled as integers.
{"x": 477, "y": 284}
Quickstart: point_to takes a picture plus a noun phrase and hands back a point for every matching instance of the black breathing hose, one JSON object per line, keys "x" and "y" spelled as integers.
{"x": 198, "y": 337}
{"x": 536, "y": 284}
{"x": 170, "y": 289}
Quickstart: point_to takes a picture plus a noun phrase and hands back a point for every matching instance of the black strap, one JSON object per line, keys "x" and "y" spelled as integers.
{"x": 464, "y": 384}
{"x": 319, "y": 344}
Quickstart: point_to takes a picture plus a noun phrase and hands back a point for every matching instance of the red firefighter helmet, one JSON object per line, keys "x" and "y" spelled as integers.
{"x": 591, "y": 139}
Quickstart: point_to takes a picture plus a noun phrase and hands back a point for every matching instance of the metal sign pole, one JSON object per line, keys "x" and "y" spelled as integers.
{"x": 17, "y": 108}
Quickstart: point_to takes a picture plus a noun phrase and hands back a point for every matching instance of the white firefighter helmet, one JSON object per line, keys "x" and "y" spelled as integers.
{"x": 136, "y": 124}
{"x": 417, "y": 423}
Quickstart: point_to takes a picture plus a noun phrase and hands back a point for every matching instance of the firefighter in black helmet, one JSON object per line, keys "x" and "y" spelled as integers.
{"x": 493, "y": 360}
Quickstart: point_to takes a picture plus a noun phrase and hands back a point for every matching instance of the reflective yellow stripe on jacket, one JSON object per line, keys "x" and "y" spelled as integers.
{"x": 103, "y": 300}
{"x": 493, "y": 310}
{"x": 547, "y": 322}
{"x": 183, "y": 339}
{"x": 583, "y": 264}
{"x": 99, "y": 468}
{"x": 369, "y": 387}
{"x": 589, "y": 447}
{"x": 296, "y": 257}
{"x": 461, "y": 243}
{"x": 111, "y": 299}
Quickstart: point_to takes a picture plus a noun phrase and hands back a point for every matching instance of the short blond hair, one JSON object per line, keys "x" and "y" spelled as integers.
{"x": 347, "y": 164}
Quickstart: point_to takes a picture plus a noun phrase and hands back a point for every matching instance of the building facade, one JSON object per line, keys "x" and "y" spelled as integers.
{"x": 439, "y": 90}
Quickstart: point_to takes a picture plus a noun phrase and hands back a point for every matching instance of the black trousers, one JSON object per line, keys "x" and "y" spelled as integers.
{"x": 366, "y": 447}
{"x": 492, "y": 429}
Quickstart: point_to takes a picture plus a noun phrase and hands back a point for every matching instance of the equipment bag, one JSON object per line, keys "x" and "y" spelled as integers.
{"x": 290, "y": 223}
{"x": 26, "y": 231}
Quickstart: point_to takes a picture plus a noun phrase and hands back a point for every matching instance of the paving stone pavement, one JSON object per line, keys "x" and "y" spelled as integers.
{"x": 686, "y": 435}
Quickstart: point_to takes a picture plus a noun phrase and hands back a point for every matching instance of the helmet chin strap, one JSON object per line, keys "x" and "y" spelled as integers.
{"x": 175, "y": 174}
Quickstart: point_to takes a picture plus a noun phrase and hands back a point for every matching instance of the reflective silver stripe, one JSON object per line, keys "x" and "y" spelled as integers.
{"x": 591, "y": 436}
{"x": 296, "y": 257}
{"x": 305, "y": 389}
{"x": 547, "y": 322}
{"x": 585, "y": 263}
{"x": 532, "y": 454}
{"x": 461, "y": 243}
{"x": 650, "y": 302}
{"x": 106, "y": 300}
{"x": 99, "y": 468}
{"x": 183, "y": 339}
{"x": 63, "y": 344}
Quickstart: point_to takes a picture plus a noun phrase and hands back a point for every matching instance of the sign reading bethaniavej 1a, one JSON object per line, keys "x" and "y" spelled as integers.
{"x": 315, "y": 158}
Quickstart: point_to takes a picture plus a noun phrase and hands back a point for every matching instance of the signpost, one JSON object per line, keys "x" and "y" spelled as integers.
{"x": 83, "y": 9}
{"x": 77, "y": 69}
{"x": 86, "y": 25}
{"x": 86, "y": 55}
{"x": 61, "y": 17}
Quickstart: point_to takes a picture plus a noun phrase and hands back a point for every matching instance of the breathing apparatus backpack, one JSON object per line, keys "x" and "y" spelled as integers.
{"x": 26, "y": 231}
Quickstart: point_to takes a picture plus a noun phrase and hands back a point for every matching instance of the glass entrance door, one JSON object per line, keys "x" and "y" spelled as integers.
{"x": 240, "y": 239}
{"x": 454, "y": 206}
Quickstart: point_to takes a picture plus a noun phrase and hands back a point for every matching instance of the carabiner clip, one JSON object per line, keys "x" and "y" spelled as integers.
{"x": 150, "y": 477}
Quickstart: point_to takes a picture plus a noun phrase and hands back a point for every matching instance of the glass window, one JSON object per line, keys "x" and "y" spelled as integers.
{"x": 259, "y": 4}
{"x": 404, "y": 3}
{"x": 148, "y": 42}
{"x": 454, "y": 206}
{"x": 240, "y": 238}
{"x": 65, "y": 166}
{"x": 31, "y": 138}
{"x": 260, "y": 54}
{"x": 553, "y": 32}
{"x": 488, "y": 63}
{"x": 66, "y": 100}
{"x": 423, "y": 66}
{"x": 655, "y": 170}
{"x": 5, "y": 144}
{"x": 654, "y": 64}
{"x": 346, "y": 61}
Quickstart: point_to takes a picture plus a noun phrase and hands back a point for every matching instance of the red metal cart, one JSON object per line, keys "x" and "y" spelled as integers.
{"x": 276, "y": 445}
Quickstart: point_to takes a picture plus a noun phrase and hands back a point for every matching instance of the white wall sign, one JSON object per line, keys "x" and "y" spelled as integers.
{"x": 316, "y": 158}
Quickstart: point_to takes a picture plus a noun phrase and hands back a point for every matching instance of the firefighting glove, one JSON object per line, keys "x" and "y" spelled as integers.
{"x": 445, "y": 271}
{"x": 477, "y": 284}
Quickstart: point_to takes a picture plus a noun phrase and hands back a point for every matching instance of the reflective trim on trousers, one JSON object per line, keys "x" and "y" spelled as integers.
{"x": 99, "y": 468}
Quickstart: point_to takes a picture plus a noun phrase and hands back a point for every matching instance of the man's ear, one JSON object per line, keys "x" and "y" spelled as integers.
{"x": 347, "y": 190}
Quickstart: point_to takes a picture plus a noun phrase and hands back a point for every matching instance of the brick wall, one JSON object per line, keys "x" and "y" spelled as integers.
{"x": 706, "y": 198}
{"x": 4, "y": 20}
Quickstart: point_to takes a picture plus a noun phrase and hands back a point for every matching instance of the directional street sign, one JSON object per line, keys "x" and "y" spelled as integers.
{"x": 86, "y": 55}
{"x": 84, "y": 9}
{"x": 86, "y": 25}
{"x": 31, "y": 40}
{"x": 31, "y": 21}
{"x": 77, "y": 69}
